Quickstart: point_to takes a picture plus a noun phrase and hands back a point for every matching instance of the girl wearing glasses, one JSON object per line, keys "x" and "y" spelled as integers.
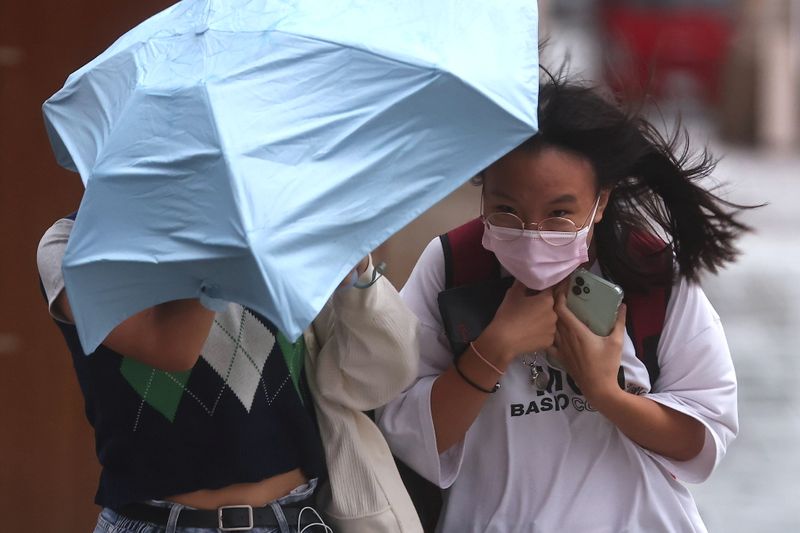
{"x": 604, "y": 443}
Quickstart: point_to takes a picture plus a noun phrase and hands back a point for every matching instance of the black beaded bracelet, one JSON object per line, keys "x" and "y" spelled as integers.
{"x": 473, "y": 384}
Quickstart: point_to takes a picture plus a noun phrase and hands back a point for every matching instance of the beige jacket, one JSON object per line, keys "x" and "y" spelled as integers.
{"x": 362, "y": 352}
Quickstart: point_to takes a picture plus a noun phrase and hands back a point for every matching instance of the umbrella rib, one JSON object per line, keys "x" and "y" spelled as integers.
{"x": 500, "y": 101}
{"x": 392, "y": 58}
{"x": 125, "y": 108}
{"x": 214, "y": 121}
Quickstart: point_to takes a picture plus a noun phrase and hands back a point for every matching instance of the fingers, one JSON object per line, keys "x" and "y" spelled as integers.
{"x": 520, "y": 293}
{"x": 621, "y": 314}
{"x": 529, "y": 321}
{"x": 552, "y": 352}
{"x": 362, "y": 265}
{"x": 565, "y": 334}
{"x": 563, "y": 311}
{"x": 567, "y": 321}
{"x": 619, "y": 325}
{"x": 545, "y": 297}
{"x": 520, "y": 288}
{"x": 561, "y": 287}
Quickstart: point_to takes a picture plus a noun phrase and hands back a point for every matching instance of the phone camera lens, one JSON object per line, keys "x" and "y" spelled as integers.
{"x": 576, "y": 291}
{"x": 579, "y": 281}
{"x": 586, "y": 290}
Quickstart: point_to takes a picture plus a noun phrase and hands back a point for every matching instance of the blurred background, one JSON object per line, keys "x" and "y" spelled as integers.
{"x": 730, "y": 69}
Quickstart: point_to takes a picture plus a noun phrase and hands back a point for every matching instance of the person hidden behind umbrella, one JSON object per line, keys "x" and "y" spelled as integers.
{"x": 206, "y": 420}
{"x": 603, "y": 441}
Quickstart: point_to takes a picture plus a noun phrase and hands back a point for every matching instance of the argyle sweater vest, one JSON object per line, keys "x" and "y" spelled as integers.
{"x": 241, "y": 414}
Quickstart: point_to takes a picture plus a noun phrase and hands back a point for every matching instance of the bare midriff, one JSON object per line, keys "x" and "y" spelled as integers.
{"x": 255, "y": 494}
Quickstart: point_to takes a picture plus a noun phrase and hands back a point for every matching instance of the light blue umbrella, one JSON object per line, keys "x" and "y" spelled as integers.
{"x": 254, "y": 150}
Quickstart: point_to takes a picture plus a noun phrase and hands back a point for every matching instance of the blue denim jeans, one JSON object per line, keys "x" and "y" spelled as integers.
{"x": 110, "y": 521}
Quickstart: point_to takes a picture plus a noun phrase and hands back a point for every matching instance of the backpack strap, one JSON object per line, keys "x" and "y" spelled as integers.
{"x": 647, "y": 309}
{"x": 466, "y": 261}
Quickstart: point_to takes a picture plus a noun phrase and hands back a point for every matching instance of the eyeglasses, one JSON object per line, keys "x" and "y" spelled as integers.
{"x": 556, "y": 231}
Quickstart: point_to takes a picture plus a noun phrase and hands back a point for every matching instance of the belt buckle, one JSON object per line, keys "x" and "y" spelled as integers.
{"x": 220, "y": 517}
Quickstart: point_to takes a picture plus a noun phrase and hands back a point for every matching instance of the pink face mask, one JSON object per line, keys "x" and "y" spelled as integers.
{"x": 536, "y": 262}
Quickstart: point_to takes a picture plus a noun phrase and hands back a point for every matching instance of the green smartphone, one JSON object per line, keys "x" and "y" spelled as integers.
{"x": 594, "y": 300}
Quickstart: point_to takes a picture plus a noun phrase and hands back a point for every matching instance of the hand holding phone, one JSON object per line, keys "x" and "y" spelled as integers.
{"x": 594, "y": 300}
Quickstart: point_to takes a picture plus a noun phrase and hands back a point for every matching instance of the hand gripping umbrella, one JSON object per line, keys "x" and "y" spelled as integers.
{"x": 254, "y": 150}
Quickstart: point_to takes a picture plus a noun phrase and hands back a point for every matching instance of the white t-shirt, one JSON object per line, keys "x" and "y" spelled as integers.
{"x": 545, "y": 461}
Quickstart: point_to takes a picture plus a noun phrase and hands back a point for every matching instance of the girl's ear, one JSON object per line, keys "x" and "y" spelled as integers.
{"x": 605, "y": 194}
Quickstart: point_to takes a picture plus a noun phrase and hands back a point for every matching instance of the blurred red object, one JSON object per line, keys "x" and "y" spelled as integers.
{"x": 654, "y": 43}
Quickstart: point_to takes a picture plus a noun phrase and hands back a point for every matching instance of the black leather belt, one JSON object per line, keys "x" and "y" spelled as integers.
{"x": 227, "y": 518}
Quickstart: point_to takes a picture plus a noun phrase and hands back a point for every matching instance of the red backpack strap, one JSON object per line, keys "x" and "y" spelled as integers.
{"x": 466, "y": 261}
{"x": 647, "y": 310}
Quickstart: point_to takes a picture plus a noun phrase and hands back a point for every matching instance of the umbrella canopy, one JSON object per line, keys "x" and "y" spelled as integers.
{"x": 254, "y": 150}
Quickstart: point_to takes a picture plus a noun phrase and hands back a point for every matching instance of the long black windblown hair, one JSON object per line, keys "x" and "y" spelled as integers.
{"x": 656, "y": 183}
